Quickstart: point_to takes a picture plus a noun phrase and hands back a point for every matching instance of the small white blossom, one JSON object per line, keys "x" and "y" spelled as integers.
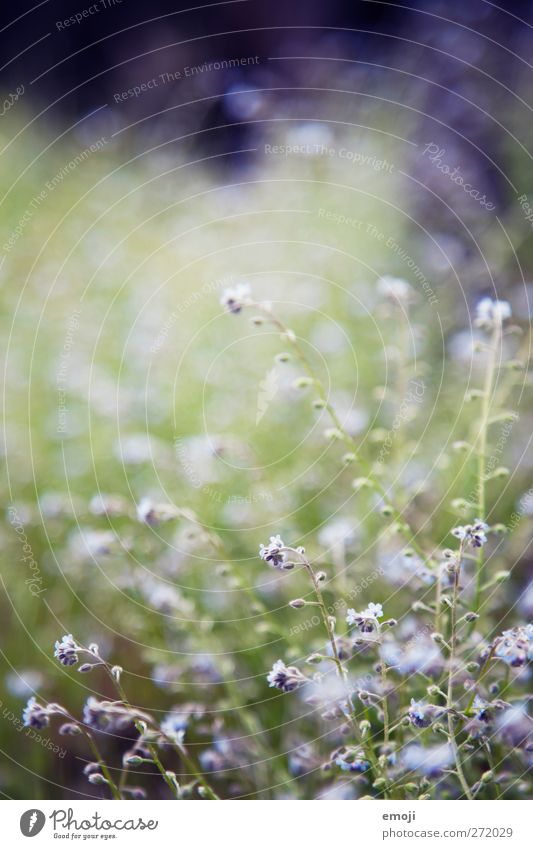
{"x": 273, "y": 552}
{"x": 395, "y": 288}
{"x": 490, "y": 313}
{"x": 474, "y": 534}
{"x": 235, "y": 298}
{"x": 367, "y": 620}
{"x": 285, "y": 678}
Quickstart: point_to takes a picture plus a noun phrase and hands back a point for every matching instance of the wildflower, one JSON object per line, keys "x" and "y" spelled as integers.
{"x": 95, "y": 715}
{"x": 474, "y": 534}
{"x": 235, "y": 298}
{"x": 418, "y": 714}
{"x": 107, "y": 716}
{"x": 358, "y": 764}
{"x": 515, "y": 646}
{"x": 482, "y": 709}
{"x": 66, "y": 650}
{"x": 394, "y": 288}
{"x": 367, "y": 621}
{"x": 152, "y": 514}
{"x": 273, "y": 552}
{"x": 35, "y": 715}
{"x": 285, "y": 678}
{"x": 177, "y": 721}
{"x": 490, "y": 313}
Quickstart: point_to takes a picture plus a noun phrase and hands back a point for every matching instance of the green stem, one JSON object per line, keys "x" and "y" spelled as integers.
{"x": 349, "y": 440}
{"x": 488, "y": 387}
{"x": 451, "y": 658}
{"x": 102, "y": 764}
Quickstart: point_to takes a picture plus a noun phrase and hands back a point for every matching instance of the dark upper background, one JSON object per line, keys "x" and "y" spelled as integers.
{"x": 130, "y": 41}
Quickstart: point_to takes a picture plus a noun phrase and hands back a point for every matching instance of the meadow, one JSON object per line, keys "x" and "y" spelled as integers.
{"x": 267, "y": 426}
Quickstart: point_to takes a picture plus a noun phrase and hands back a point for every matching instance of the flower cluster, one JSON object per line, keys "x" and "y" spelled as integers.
{"x": 474, "y": 534}
{"x": 352, "y": 761}
{"x": 66, "y": 650}
{"x": 285, "y": 678}
{"x": 236, "y": 297}
{"x": 515, "y": 646}
{"x": 35, "y": 715}
{"x": 395, "y": 288}
{"x": 273, "y": 553}
{"x": 421, "y": 714}
{"x": 367, "y": 620}
{"x": 491, "y": 313}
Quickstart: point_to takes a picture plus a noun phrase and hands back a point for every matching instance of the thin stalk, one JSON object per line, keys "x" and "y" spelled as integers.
{"x": 102, "y": 764}
{"x": 488, "y": 387}
{"x": 96, "y": 752}
{"x": 341, "y": 671}
{"x": 451, "y": 658}
{"x": 384, "y": 699}
{"x": 150, "y": 746}
{"x": 349, "y": 440}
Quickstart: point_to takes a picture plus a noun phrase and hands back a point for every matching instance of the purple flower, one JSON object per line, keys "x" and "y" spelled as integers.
{"x": 358, "y": 764}
{"x": 273, "y": 552}
{"x": 35, "y": 715}
{"x": 285, "y": 678}
{"x": 367, "y": 621}
{"x": 515, "y": 646}
{"x": 473, "y": 534}
{"x": 66, "y": 650}
{"x": 418, "y": 714}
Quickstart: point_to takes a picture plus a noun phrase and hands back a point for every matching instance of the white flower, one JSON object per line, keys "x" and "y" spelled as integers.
{"x": 285, "y": 678}
{"x": 273, "y": 552}
{"x": 474, "y": 534}
{"x": 235, "y": 298}
{"x": 152, "y": 514}
{"x": 375, "y": 610}
{"x": 395, "y": 288}
{"x": 367, "y": 621}
{"x": 490, "y": 313}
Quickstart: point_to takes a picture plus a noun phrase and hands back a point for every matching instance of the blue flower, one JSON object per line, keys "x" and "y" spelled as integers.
{"x": 358, "y": 764}
{"x": 418, "y": 714}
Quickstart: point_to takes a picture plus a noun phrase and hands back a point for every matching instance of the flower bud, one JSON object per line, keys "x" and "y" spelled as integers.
{"x": 70, "y": 728}
{"x": 302, "y": 382}
{"x": 133, "y": 760}
{"x": 297, "y": 603}
{"x": 502, "y": 576}
{"x": 97, "y": 778}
